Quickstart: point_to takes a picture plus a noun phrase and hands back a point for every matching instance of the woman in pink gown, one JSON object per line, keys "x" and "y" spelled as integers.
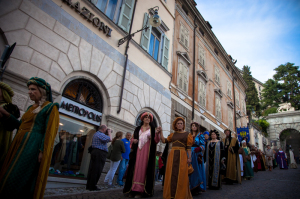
{"x": 141, "y": 167}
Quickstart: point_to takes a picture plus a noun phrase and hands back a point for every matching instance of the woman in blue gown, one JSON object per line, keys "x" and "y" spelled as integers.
{"x": 197, "y": 178}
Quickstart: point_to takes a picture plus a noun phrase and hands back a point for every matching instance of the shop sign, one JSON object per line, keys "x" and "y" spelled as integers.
{"x": 85, "y": 13}
{"x": 79, "y": 111}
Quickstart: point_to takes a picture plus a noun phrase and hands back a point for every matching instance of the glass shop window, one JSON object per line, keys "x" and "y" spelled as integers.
{"x": 69, "y": 147}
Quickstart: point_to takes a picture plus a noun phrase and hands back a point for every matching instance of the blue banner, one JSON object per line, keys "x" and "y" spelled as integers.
{"x": 243, "y": 132}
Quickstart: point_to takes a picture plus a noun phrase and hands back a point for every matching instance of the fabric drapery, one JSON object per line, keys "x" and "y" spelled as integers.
{"x": 176, "y": 184}
{"x": 36, "y": 133}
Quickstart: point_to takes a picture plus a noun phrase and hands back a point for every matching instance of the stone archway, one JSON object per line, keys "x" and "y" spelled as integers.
{"x": 280, "y": 122}
{"x": 290, "y": 137}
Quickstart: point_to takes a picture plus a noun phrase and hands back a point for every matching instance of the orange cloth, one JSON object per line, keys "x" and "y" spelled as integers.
{"x": 177, "y": 159}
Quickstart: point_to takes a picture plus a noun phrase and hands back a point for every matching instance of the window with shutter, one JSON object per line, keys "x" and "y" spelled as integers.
{"x": 120, "y": 13}
{"x": 165, "y": 58}
{"x": 185, "y": 71}
{"x": 218, "y": 108}
{"x": 184, "y": 36}
{"x": 229, "y": 85}
{"x": 126, "y": 14}
{"x": 237, "y": 98}
{"x": 145, "y": 38}
{"x": 183, "y": 77}
{"x": 201, "y": 93}
{"x": 217, "y": 74}
{"x": 201, "y": 56}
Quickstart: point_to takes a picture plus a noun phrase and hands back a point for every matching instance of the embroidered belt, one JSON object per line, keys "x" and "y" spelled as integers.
{"x": 178, "y": 148}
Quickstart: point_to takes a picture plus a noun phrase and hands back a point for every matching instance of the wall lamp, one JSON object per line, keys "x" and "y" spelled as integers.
{"x": 154, "y": 21}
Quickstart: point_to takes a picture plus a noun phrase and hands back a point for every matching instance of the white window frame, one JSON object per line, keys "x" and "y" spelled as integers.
{"x": 201, "y": 93}
{"x": 201, "y": 56}
{"x": 184, "y": 77}
{"x": 218, "y": 105}
{"x": 229, "y": 89}
{"x": 217, "y": 74}
{"x": 237, "y": 98}
{"x": 184, "y": 36}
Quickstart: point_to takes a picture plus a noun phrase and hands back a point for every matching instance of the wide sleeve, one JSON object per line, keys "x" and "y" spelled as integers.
{"x": 236, "y": 147}
{"x": 11, "y": 123}
{"x": 222, "y": 150}
{"x": 157, "y": 138}
{"x": 47, "y": 147}
{"x": 190, "y": 142}
{"x": 169, "y": 138}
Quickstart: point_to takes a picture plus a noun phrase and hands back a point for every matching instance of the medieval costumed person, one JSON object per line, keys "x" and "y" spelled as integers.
{"x": 179, "y": 166}
{"x": 197, "y": 178}
{"x": 293, "y": 164}
{"x": 248, "y": 171}
{"x": 243, "y": 159}
{"x": 6, "y": 94}
{"x": 269, "y": 160}
{"x": 142, "y": 158}
{"x": 215, "y": 161}
{"x": 274, "y": 160}
{"x": 281, "y": 159}
{"x": 231, "y": 147}
{"x": 25, "y": 169}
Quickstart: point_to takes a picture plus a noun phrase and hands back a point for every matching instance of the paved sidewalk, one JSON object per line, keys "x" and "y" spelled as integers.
{"x": 276, "y": 184}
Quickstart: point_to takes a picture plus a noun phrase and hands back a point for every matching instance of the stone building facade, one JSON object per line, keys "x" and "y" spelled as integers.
{"x": 74, "y": 46}
{"x": 204, "y": 74}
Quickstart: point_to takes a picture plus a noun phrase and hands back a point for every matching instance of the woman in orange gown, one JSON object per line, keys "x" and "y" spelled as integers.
{"x": 176, "y": 177}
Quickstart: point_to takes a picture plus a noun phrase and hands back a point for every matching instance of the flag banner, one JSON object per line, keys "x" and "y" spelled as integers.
{"x": 243, "y": 132}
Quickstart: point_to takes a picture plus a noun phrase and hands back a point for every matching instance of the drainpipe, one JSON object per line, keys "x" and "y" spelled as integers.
{"x": 126, "y": 60}
{"x": 194, "y": 68}
{"x": 234, "y": 111}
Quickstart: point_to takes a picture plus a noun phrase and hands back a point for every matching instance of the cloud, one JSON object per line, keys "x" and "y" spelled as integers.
{"x": 261, "y": 34}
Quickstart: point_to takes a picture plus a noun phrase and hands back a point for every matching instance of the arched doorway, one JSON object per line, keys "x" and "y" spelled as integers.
{"x": 290, "y": 138}
{"x": 80, "y": 115}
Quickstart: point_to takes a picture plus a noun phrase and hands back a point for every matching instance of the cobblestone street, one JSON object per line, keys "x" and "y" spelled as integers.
{"x": 265, "y": 184}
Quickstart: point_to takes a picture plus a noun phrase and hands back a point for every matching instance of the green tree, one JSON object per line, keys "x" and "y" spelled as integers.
{"x": 251, "y": 92}
{"x": 284, "y": 87}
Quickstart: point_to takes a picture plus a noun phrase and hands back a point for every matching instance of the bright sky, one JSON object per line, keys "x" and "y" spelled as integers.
{"x": 262, "y": 34}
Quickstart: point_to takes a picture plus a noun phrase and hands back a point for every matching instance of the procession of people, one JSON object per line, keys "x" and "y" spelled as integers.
{"x": 191, "y": 163}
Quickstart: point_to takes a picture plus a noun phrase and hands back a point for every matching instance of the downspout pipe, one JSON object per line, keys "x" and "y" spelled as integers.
{"x": 234, "y": 110}
{"x": 126, "y": 60}
{"x": 194, "y": 68}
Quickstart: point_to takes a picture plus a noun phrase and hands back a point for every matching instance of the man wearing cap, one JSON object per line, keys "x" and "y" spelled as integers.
{"x": 231, "y": 148}
{"x": 6, "y": 94}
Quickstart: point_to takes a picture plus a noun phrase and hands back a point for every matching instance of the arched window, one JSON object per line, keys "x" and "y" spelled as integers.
{"x": 84, "y": 92}
{"x": 139, "y": 121}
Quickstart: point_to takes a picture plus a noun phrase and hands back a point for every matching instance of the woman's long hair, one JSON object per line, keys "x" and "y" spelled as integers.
{"x": 42, "y": 100}
{"x": 117, "y": 136}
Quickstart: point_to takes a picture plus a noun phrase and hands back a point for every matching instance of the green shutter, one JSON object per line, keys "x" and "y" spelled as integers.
{"x": 126, "y": 15}
{"x": 145, "y": 39}
{"x": 165, "y": 58}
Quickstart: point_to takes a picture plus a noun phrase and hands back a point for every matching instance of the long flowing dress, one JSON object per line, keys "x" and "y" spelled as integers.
{"x": 293, "y": 164}
{"x": 176, "y": 178}
{"x": 141, "y": 166}
{"x": 22, "y": 176}
{"x": 5, "y": 138}
{"x": 248, "y": 170}
{"x": 281, "y": 160}
{"x": 214, "y": 155}
{"x": 197, "y": 178}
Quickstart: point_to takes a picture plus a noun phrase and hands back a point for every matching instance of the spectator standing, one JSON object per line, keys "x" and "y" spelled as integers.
{"x": 98, "y": 157}
{"x": 117, "y": 148}
{"x": 124, "y": 159}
